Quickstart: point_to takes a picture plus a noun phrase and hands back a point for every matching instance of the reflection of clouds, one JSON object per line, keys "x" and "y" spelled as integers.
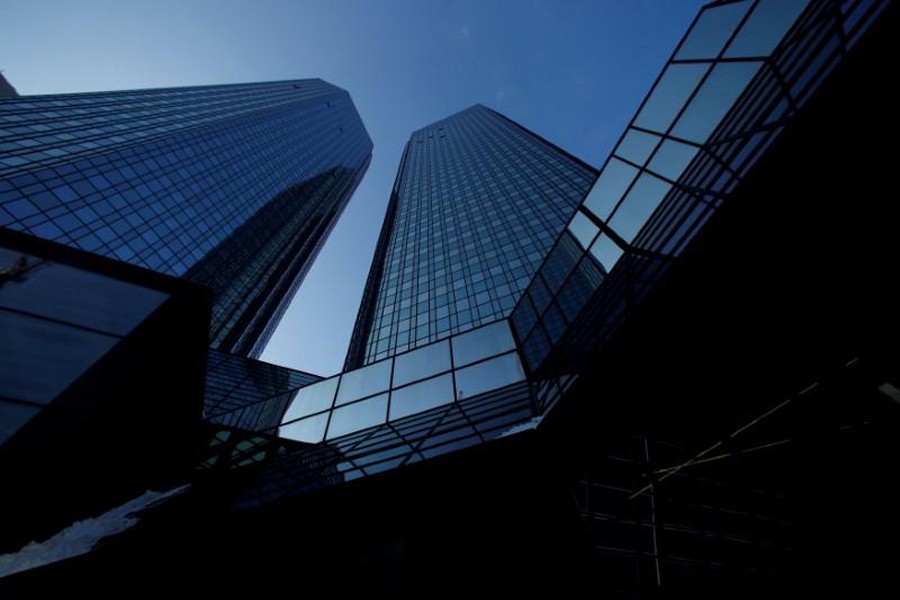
{"x": 465, "y": 31}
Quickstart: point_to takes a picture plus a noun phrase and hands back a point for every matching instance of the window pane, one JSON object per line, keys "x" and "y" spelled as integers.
{"x": 606, "y": 252}
{"x": 636, "y": 146}
{"x": 311, "y": 429}
{"x": 608, "y": 189}
{"x": 712, "y": 102}
{"x": 482, "y": 342}
{"x": 642, "y": 200}
{"x": 421, "y": 363}
{"x": 582, "y": 228}
{"x": 674, "y": 88}
{"x": 354, "y": 417}
{"x": 672, "y": 159}
{"x": 364, "y": 382}
{"x": 311, "y": 399}
{"x": 39, "y": 359}
{"x": 488, "y": 375}
{"x": 91, "y": 300}
{"x": 766, "y": 26}
{"x": 712, "y": 30}
{"x": 422, "y": 396}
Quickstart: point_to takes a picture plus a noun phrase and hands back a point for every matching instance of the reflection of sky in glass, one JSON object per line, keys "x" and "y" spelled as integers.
{"x": 608, "y": 189}
{"x": 711, "y": 31}
{"x": 312, "y": 399}
{"x": 422, "y": 362}
{"x": 354, "y": 417}
{"x": 366, "y": 397}
{"x": 421, "y": 396}
{"x": 713, "y": 100}
{"x": 311, "y": 429}
{"x": 767, "y": 25}
{"x": 671, "y": 92}
{"x": 638, "y": 205}
{"x": 364, "y": 382}
{"x": 488, "y": 375}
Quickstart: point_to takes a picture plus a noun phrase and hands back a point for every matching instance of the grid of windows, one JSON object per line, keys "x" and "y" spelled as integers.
{"x": 247, "y": 393}
{"x": 445, "y": 372}
{"x": 166, "y": 178}
{"x": 478, "y": 202}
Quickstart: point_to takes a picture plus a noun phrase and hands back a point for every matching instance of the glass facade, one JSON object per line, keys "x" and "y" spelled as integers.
{"x": 739, "y": 76}
{"x": 47, "y": 343}
{"x": 231, "y": 186}
{"x": 439, "y": 374}
{"x": 247, "y": 393}
{"x": 477, "y": 203}
{"x": 710, "y": 116}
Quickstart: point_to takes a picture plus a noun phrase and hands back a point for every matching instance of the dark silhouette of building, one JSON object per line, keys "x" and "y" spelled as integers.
{"x": 234, "y": 187}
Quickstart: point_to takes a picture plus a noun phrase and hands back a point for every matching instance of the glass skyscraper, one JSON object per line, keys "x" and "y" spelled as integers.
{"x": 477, "y": 202}
{"x": 234, "y": 187}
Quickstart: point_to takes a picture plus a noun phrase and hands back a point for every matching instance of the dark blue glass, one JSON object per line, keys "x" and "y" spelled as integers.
{"x": 477, "y": 204}
{"x": 232, "y": 186}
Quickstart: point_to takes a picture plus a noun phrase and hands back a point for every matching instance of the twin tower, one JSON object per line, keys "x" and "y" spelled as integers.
{"x": 236, "y": 187}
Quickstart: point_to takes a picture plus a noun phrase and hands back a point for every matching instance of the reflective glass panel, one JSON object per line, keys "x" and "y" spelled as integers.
{"x": 39, "y": 359}
{"x": 582, "y": 228}
{"x": 637, "y": 207}
{"x": 766, "y": 26}
{"x": 364, "y": 382}
{"x": 74, "y": 295}
{"x": 636, "y": 146}
{"x": 608, "y": 189}
{"x": 709, "y": 34}
{"x": 669, "y": 95}
{"x": 422, "y": 396}
{"x": 482, "y": 342}
{"x": 488, "y": 375}
{"x": 311, "y": 399}
{"x": 672, "y": 158}
{"x": 311, "y": 429}
{"x": 353, "y": 417}
{"x": 719, "y": 92}
{"x": 421, "y": 363}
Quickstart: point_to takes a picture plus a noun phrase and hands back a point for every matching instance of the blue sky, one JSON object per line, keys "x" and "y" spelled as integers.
{"x": 572, "y": 71}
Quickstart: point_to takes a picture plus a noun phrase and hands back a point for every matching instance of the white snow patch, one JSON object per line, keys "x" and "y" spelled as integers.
{"x": 524, "y": 426}
{"x": 81, "y": 536}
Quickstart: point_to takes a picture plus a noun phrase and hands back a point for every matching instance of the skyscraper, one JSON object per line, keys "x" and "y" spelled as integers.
{"x": 477, "y": 202}
{"x": 234, "y": 187}
{"x": 706, "y": 400}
